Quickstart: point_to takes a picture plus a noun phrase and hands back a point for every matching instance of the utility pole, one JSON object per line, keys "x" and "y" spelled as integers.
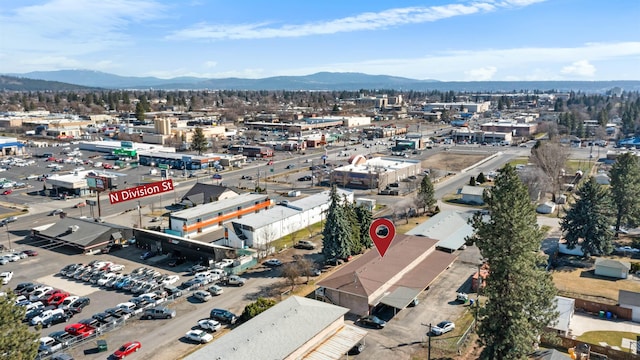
{"x": 429, "y": 346}
{"x": 8, "y": 235}
{"x": 139, "y": 215}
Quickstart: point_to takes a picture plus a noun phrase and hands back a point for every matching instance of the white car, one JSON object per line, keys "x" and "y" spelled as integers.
{"x": 443, "y": 327}
{"x": 208, "y": 324}
{"x": 116, "y": 267}
{"x": 6, "y": 277}
{"x": 215, "y": 290}
{"x": 21, "y": 255}
{"x": 202, "y": 295}
{"x": 199, "y": 336}
{"x": 170, "y": 280}
{"x": 67, "y": 301}
{"x": 12, "y": 257}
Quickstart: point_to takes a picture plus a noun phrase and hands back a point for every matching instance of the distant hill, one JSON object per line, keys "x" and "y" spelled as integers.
{"x": 12, "y": 83}
{"x": 318, "y": 81}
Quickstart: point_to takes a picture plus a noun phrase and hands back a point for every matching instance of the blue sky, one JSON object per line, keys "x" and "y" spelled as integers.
{"x": 448, "y": 40}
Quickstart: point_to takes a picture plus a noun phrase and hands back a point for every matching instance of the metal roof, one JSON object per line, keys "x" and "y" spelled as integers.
{"x": 338, "y": 344}
{"x": 565, "y": 308}
{"x": 214, "y": 207}
{"x": 628, "y": 298}
{"x": 450, "y": 228}
{"x": 274, "y": 334}
{"x": 400, "y": 297}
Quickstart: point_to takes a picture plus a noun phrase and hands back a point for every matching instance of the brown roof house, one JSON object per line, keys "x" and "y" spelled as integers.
{"x": 409, "y": 266}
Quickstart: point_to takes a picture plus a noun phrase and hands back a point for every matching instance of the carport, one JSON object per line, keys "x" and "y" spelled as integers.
{"x": 400, "y": 298}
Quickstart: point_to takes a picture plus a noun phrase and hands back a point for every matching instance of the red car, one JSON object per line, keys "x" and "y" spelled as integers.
{"x": 107, "y": 166}
{"x": 31, "y": 252}
{"x": 126, "y": 349}
{"x": 7, "y": 192}
{"x": 79, "y": 329}
{"x": 56, "y": 299}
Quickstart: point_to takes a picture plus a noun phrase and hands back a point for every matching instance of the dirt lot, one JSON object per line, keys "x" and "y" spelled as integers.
{"x": 451, "y": 161}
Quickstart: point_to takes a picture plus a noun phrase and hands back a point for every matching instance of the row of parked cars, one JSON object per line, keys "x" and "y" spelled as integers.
{"x": 46, "y": 306}
{"x": 16, "y": 256}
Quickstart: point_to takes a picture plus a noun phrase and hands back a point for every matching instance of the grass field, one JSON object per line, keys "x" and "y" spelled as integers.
{"x": 449, "y": 161}
{"x": 583, "y": 283}
{"x": 613, "y": 338}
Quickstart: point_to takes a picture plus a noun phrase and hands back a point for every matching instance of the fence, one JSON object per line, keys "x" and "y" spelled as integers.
{"x": 607, "y": 352}
{"x": 595, "y": 308}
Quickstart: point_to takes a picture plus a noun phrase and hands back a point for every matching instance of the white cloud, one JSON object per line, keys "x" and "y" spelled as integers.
{"x": 579, "y": 68}
{"x": 481, "y": 74}
{"x": 210, "y": 64}
{"x": 364, "y": 21}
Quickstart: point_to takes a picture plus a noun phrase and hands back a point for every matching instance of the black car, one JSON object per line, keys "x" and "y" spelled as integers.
{"x": 372, "y": 321}
{"x": 36, "y": 312}
{"x": 77, "y": 305}
{"x": 305, "y": 178}
{"x": 147, "y": 255}
{"x": 222, "y": 315}
{"x": 94, "y": 323}
{"x": 55, "y": 319}
{"x": 20, "y": 287}
{"x": 356, "y": 349}
{"x": 196, "y": 269}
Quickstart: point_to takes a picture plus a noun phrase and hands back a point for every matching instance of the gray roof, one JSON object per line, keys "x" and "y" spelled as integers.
{"x": 85, "y": 232}
{"x": 214, "y": 207}
{"x": 565, "y": 309}
{"x": 275, "y": 333}
{"x": 400, "y": 297}
{"x": 450, "y": 228}
{"x": 201, "y": 193}
{"x": 472, "y": 190}
{"x": 628, "y": 298}
{"x": 316, "y": 200}
{"x": 612, "y": 263}
{"x": 549, "y": 354}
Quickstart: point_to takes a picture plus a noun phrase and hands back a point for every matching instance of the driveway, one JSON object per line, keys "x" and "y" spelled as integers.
{"x": 582, "y": 323}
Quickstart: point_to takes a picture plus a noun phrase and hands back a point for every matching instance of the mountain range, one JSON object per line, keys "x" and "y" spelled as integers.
{"x": 85, "y": 79}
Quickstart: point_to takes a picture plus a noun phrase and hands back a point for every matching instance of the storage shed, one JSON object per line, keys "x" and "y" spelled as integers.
{"x": 612, "y": 268}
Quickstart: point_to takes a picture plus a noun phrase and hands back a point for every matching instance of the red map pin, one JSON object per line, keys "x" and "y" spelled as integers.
{"x": 382, "y": 231}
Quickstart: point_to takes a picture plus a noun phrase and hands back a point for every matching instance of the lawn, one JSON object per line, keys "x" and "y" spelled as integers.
{"x": 582, "y": 283}
{"x": 613, "y": 338}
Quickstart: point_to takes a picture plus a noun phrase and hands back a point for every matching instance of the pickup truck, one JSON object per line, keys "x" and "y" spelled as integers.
{"x": 158, "y": 313}
{"x": 48, "y": 345}
{"x": 234, "y": 280}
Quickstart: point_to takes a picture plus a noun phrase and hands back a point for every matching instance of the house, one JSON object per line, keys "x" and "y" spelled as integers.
{"x": 549, "y": 354}
{"x": 565, "y": 308}
{"x": 295, "y": 328}
{"x": 546, "y": 208}
{"x": 472, "y": 195}
{"x": 409, "y": 266}
{"x": 205, "y": 193}
{"x": 450, "y": 228}
{"x": 612, "y": 268}
{"x": 630, "y": 300}
{"x": 602, "y": 179}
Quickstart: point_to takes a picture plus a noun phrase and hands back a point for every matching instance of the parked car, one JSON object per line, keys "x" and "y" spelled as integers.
{"x": 224, "y": 316}
{"x": 234, "y": 280}
{"x": 196, "y": 269}
{"x": 6, "y": 276}
{"x": 272, "y": 263}
{"x": 158, "y": 313}
{"x": 7, "y": 192}
{"x": 55, "y": 319}
{"x": 443, "y": 327}
{"x": 202, "y": 295}
{"x": 170, "y": 280}
{"x": 55, "y": 212}
{"x": 199, "y": 336}
{"x": 208, "y": 324}
{"x": 305, "y": 244}
{"x": 372, "y": 321}
{"x": 305, "y": 178}
{"x": 127, "y": 349}
{"x": 147, "y": 255}
{"x": 215, "y": 290}
{"x": 30, "y": 252}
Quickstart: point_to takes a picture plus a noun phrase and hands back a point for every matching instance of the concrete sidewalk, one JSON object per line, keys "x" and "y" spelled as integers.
{"x": 582, "y": 323}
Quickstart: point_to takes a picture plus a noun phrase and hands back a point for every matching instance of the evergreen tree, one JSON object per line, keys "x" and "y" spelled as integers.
{"x": 255, "y": 308}
{"x": 425, "y": 198}
{"x": 140, "y": 112}
{"x": 588, "y": 219}
{"x": 364, "y": 221}
{"x": 519, "y": 291}
{"x": 199, "y": 142}
{"x": 481, "y": 179}
{"x": 349, "y": 211}
{"x": 17, "y": 341}
{"x": 625, "y": 189}
{"x": 472, "y": 181}
{"x": 336, "y": 231}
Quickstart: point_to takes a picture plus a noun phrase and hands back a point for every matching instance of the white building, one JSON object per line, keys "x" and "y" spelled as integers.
{"x": 259, "y": 229}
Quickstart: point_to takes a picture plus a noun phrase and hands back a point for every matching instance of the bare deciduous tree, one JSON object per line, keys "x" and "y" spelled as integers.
{"x": 551, "y": 157}
{"x": 305, "y": 267}
{"x": 291, "y": 272}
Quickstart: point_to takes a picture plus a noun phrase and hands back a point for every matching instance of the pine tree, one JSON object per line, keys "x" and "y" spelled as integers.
{"x": 336, "y": 231}
{"x": 17, "y": 341}
{"x": 349, "y": 212}
{"x": 364, "y": 221}
{"x": 199, "y": 142}
{"x": 625, "y": 189}
{"x": 588, "y": 219}
{"x": 425, "y": 198}
{"x": 140, "y": 112}
{"x": 520, "y": 293}
{"x": 472, "y": 181}
{"x": 481, "y": 179}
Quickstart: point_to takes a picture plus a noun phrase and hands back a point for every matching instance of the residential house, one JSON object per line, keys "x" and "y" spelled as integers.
{"x": 612, "y": 268}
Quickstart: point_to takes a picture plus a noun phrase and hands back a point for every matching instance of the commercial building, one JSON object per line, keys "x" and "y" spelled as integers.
{"x": 374, "y": 173}
{"x": 459, "y": 106}
{"x": 517, "y": 129}
{"x": 450, "y": 228}
{"x": 82, "y": 234}
{"x": 211, "y": 216}
{"x": 10, "y": 146}
{"x": 258, "y": 230}
{"x": 296, "y": 328}
{"x": 409, "y": 266}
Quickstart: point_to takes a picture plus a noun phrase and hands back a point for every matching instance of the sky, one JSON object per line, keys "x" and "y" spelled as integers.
{"x": 446, "y": 40}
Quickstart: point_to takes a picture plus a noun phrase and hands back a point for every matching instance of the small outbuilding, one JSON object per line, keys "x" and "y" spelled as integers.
{"x": 603, "y": 179}
{"x": 472, "y": 195}
{"x": 565, "y": 307}
{"x": 630, "y": 300}
{"x": 612, "y": 268}
{"x": 546, "y": 208}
